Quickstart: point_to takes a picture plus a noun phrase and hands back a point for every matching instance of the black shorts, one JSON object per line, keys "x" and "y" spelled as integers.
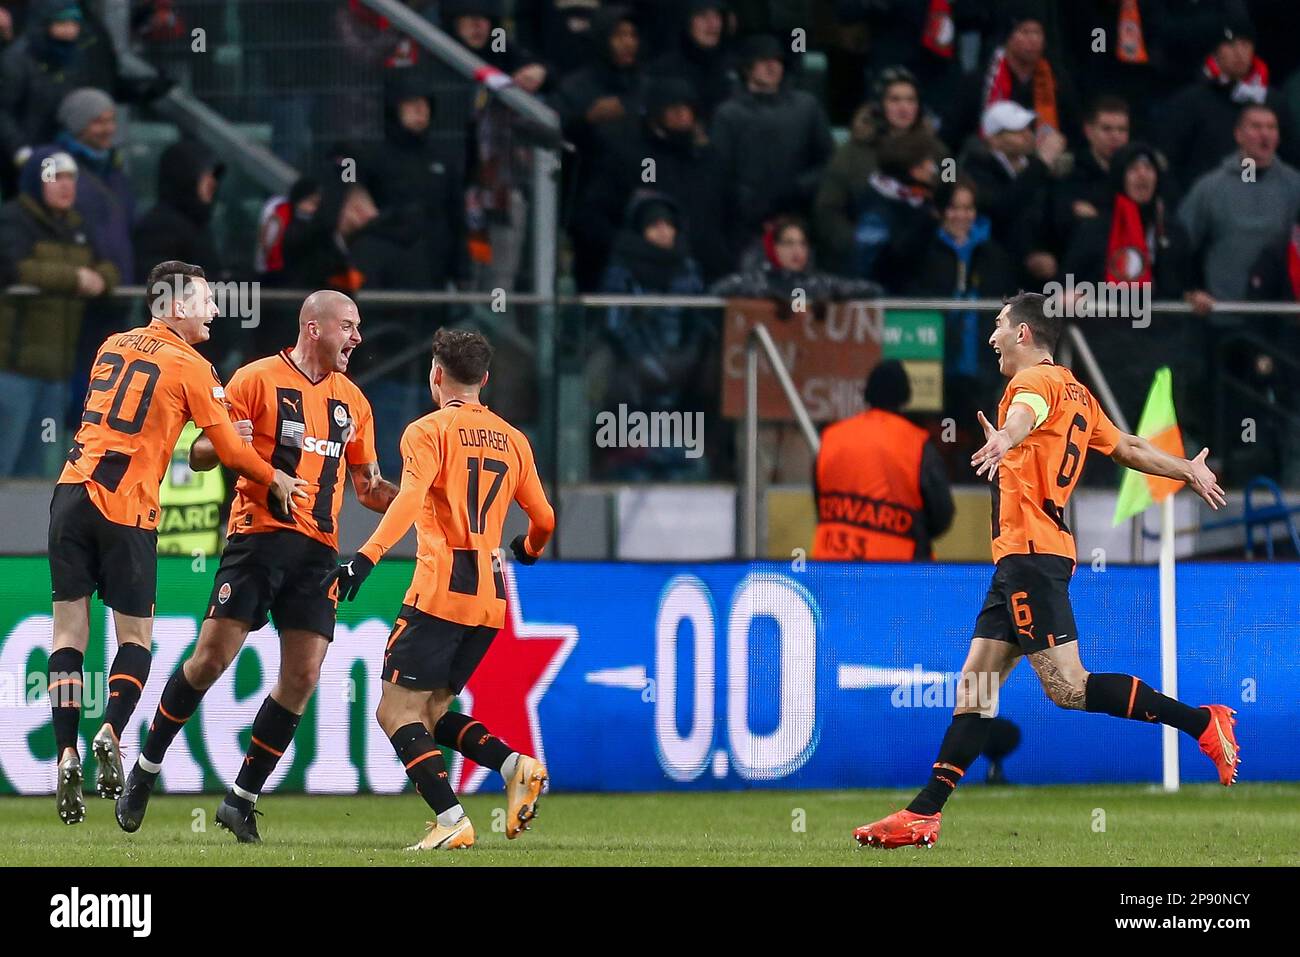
{"x": 1028, "y": 603}
{"x": 275, "y": 574}
{"x": 89, "y": 554}
{"x": 428, "y": 653}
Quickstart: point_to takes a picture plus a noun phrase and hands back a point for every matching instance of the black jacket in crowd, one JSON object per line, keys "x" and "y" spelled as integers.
{"x": 179, "y": 225}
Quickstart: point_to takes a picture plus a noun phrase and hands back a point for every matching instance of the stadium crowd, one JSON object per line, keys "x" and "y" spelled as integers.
{"x": 984, "y": 147}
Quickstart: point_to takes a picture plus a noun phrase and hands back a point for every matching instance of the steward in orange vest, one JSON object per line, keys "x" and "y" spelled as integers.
{"x": 881, "y": 490}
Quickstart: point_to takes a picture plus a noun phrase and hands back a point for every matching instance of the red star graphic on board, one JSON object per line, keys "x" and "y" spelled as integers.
{"x": 511, "y": 681}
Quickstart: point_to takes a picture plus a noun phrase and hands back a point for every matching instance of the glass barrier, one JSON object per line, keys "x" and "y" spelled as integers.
{"x": 613, "y": 390}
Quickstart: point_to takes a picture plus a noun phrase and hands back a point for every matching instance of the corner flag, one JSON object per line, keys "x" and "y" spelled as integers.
{"x": 1159, "y": 426}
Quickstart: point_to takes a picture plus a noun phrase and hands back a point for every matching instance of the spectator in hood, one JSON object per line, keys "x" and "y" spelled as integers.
{"x": 1012, "y": 181}
{"x": 658, "y": 359}
{"x": 701, "y": 56}
{"x": 58, "y": 52}
{"x": 471, "y": 22}
{"x": 1134, "y": 238}
{"x": 609, "y": 87}
{"x": 773, "y": 142}
{"x": 417, "y": 188}
{"x": 686, "y": 170}
{"x": 301, "y": 202}
{"x": 786, "y": 266}
{"x": 650, "y": 253}
{"x": 1199, "y": 122}
{"x": 894, "y": 216}
{"x": 559, "y": 31}
{"x": 179, "y": 225}
{"x": 42, "y": 244}
{"x": 105, "y": 198}
{"x": 318, "y": 251}
{"x": 894, "y": 110}
{"x": 1230, "y": 221}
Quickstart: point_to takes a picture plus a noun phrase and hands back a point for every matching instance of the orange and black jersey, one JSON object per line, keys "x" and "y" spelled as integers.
{"x": 1036, "y": 478}
{"x": 461, "y": 467}
{"x": 145, "y": 385}
{"x": 312, "y": 430}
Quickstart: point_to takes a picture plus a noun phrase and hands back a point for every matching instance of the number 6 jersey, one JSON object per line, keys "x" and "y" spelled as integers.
{"x": 1035, "y": 478}
{"x": 144, "y": 386}
{"x": 461, "y": 467}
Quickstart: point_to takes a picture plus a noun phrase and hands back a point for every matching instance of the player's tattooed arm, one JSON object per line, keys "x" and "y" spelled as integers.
{"x": 373, "y": 490}
{"x": 1135, "y": 452}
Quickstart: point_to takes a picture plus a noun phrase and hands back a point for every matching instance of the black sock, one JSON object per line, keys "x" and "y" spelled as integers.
{"x": 470, "y": 737}
{"x": 273, "y": 730}
{"x": 64, "y": 688}
{"x": 418, "y": 751}
{"x": 1125, "y": 696}
{"x": 962, "y": 744}
{"x": 179, "y": 701}
{"x": 126, "y": 683}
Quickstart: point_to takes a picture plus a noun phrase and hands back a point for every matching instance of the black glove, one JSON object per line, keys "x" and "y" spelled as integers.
{"x": 349, "y": 575}
{"x": 521, "y": 553}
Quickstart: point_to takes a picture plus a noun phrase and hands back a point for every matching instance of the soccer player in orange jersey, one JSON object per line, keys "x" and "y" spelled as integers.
{"x": 305, "y": 416}
{"x": 1047, "y": 422}
{"x": 145, "y": 385}
{"x": 462, "y": 466}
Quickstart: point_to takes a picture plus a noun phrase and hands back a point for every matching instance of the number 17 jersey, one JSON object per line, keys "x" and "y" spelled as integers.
{"x": 1037, "y": 477}
{"x": 469, "y": 463}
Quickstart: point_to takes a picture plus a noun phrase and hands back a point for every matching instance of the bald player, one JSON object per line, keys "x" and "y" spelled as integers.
{"x": 303, "y": 415}
{"x": 145, "y": 384}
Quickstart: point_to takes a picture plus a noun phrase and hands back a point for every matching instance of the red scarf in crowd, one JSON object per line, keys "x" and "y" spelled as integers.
{"x": 1131, "y": 47}
{"x": 1293, "y": 261}
{"x": 998, "y": 83}
{"x": 939, "y": 29}
{"x": 1252, "y": 89}
{"x": 1128, "y": 255}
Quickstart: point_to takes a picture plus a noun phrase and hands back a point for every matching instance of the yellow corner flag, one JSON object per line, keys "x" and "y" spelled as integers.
{"x": 1159, "y": 426}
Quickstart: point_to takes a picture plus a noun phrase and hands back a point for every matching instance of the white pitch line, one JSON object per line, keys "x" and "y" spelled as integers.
{"x": 631, "y": 677}
{"x": 859, "y": 677}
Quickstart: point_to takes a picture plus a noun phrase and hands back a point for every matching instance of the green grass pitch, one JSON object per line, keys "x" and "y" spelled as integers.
{"x": 1203, "y": 825}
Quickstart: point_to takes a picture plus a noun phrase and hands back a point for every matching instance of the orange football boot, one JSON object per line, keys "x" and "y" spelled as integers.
{"x": 901, "y": 829}
{"x": 1219, "y": 744}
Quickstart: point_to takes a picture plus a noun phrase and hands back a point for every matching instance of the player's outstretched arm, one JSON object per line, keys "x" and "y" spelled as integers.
{"x": 1135, "y": 452}
{"x": 203, "y": 457}
{"x": 238, "y": 456}
{"x": 998, "y": 442}
{"x": 373, "y": 490}
{"x": 541, "y": 517}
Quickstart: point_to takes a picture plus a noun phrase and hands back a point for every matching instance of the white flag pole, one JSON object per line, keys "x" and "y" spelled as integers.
{"x": 1168, "y": 638}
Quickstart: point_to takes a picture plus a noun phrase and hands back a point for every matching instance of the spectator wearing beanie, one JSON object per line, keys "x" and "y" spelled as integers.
{"x": 653, "y": 359}
{"x": 42, "y": 244}
{"x": 773, "y": 143}
{"x": 879, "y": 458}
{"x": 558, "y": 31}
{"x": 894, "y": 110}
{"x": 1200, "y": 120}
{"x": 105, "y": 198}
{"x": 686, "y": 169}
{"x": 701, "y": 56}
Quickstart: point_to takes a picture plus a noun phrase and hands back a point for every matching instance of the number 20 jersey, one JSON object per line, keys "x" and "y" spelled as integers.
{"x": 312, "y": 430}
{"x": 145, "y": 384}
{"x": 1036, "y": 478}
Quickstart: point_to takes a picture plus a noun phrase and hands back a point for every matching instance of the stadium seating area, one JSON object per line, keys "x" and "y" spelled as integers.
{"x": 931, "y": 148}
